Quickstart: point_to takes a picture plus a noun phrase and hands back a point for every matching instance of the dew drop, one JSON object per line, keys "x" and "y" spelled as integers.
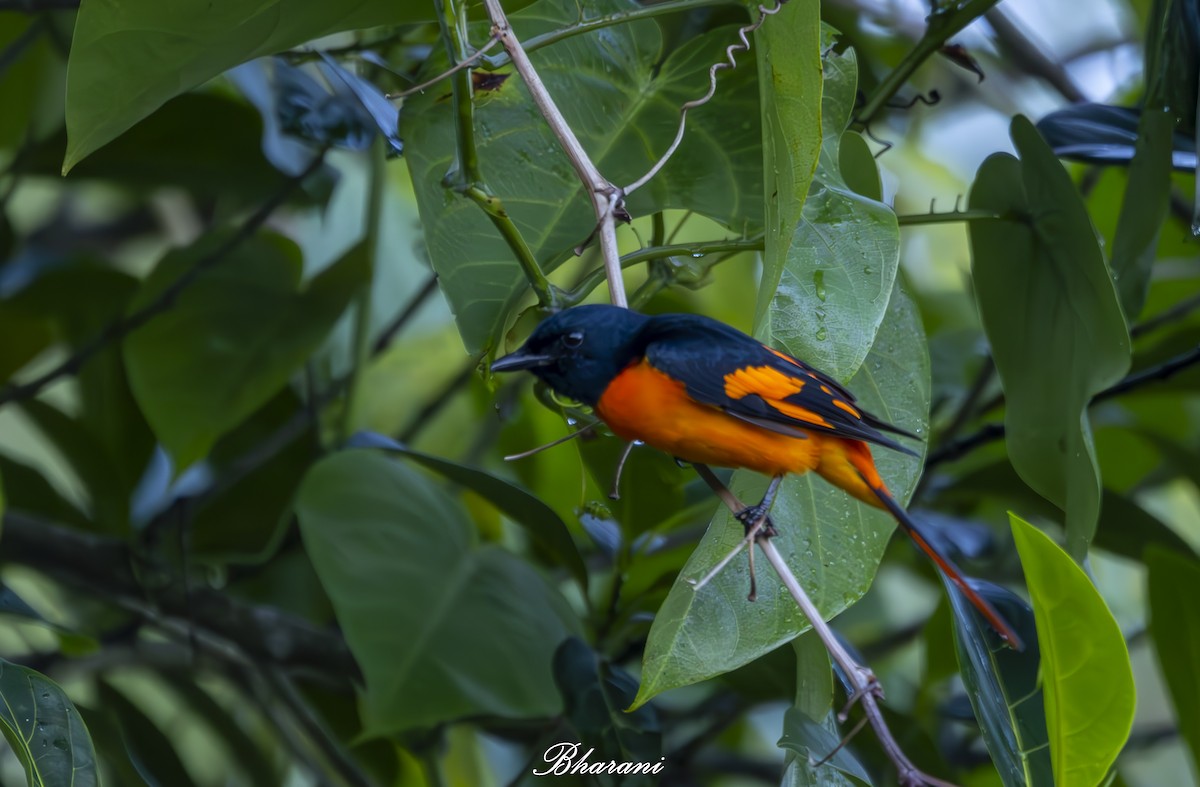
{"x": 819, "y": 283}
{"x": 821, "y": 334}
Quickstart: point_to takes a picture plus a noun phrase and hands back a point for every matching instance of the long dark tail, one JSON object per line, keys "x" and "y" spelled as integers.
{"x": 951, "y": 571}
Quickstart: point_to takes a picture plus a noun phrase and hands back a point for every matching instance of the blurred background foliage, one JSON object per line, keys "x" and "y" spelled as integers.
{"x": 257, "y": 526}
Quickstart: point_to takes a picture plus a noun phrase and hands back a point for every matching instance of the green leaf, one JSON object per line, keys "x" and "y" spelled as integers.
{"x": 10, "y": 602}
{"x": 622, "y": 98}
{"x": 27, "y": 489}
{"x": 25, "y": 336}
{"x": 81, "y": 300}
{"x": 813, "y": 700}
{"x": 175, "y": 146}
{"x": 1143, "y": 210}
{"x": 595, "y": 694}
{"x": 832, "y": 542}
{"x": 544, "y": 526}
{"x": 149, "y": 748}
{"x": 248, "y": 517}
{"x": 441, "y": 628}
{"x": 1086, "y": 675}
{"x": 1002, "y": 686}
{"x": 842, "y": 259}
{"x": 44, "y": 729}
{"x": 788, "y": 48}
{"x": 26, "y": 74}
{"x": 129, "y": 57}
{"x": 812, "y": 742}
{"x": 1050, "y": 311}
{"x": 88, "y": 458}
{"x": 1175, "y": 625}
{"x": 233, "y": 338}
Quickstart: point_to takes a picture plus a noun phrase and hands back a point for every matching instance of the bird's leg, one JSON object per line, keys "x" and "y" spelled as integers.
{"x": 752, "y": 515}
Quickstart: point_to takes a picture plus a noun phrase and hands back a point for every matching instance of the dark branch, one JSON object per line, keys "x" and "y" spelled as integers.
{"x": 989, "y": 433}
{"x": 166, "y": 300}
{"x": 37, "y": 6}
{"x": 104, "y": 566}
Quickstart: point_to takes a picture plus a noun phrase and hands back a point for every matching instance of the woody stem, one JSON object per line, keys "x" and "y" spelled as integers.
{"x": 866, "y": 688}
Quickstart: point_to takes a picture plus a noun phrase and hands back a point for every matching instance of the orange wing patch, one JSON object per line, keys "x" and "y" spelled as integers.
{"x": 766, "y": 381}
{"x": 843, "y": 405}
{"x": 800, "y": 413}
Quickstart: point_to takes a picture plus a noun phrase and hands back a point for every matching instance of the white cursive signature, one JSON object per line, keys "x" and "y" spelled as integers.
{"x": 564, "y": 759}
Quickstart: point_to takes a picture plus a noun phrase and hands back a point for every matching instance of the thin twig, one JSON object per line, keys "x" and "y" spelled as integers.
{"x": 551, "y": 444}
{"x": 406, "y": 314}
{"x": 1166, "y": 317}
{"x": 729, "y": 62}
{"x": 607, "y": 200}
{"x": 703, "y": 248}
{"x": 866, "y": 687}
{"x": 465, "y": 63}
{"x": 608, "y": 20}
{"x": 166, "y": 299}
{"x": 943, "y": 23}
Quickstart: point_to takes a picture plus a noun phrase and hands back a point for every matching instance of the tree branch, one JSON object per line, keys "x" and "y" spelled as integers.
{"x": 992, "y": 432}
{"x": 37, "y": 6}
{"x": 589, "y": 282}
{"x": 867, "y": 690}
{"x": 166, "y": 299}
{"x": 943, "y": 23}
{"x": 104, "y": 566}
{"x": 608, "y": 20}
{"x": 607, "y": 199}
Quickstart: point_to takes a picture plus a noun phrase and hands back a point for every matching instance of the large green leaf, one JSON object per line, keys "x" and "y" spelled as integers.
{"x": 232, "y": 339}
{"x": 788, "y": 48}
{"x": 88, "y": 458}
{"x": 129, "y": 57}
{"x": 1002, "y": 686}
{"x": 1086, "y": 677}
{"x": 1050, "y": 311}
{"x": 81, "y": 300}
{"x": 44, "y": 729}
{"x": 148, "y": 746}
{"x": 622, "y": 99}
{"x": 832, "y": 542}
{"x": 1143, "y": 209}
{"x": 544, "y": 526}
{"x": 842, "y": 258}
{"x": 441, "y": 628}
{"x": 176, "y": 146}
{"x": 1175, "y": 624}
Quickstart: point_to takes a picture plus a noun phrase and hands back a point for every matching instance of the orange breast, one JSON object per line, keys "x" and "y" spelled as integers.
{"x": 644, "y": 404}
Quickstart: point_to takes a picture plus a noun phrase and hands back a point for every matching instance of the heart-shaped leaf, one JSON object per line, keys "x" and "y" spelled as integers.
{"x": 1050, "y": 311}
{"x": 622, "y": 98}
{"x": 441, "y": 627}
{"x": 232, "y": 339}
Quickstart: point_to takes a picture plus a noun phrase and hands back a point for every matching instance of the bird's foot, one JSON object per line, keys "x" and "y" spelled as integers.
{"x": 751, "y": 515}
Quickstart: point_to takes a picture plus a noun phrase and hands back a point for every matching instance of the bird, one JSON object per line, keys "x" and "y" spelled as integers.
{"x": 707, "y": 393}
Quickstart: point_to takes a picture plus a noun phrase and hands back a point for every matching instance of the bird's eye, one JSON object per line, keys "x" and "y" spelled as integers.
{"x": 573, "y": 339}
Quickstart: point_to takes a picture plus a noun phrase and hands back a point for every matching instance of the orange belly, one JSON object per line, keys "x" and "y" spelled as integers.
{"x": 644, "y": 404}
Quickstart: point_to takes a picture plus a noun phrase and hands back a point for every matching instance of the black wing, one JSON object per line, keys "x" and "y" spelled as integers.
{"x": 724, "y": 367}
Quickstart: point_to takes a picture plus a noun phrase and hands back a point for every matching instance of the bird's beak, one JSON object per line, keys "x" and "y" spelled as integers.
{"x": 521, "y": 360}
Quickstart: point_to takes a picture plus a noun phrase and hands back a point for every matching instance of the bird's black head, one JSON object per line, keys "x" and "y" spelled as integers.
{"x": 579, "y": 350}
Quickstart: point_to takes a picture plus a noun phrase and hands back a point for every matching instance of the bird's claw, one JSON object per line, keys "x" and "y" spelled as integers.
{"x": 750, "y": 516}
